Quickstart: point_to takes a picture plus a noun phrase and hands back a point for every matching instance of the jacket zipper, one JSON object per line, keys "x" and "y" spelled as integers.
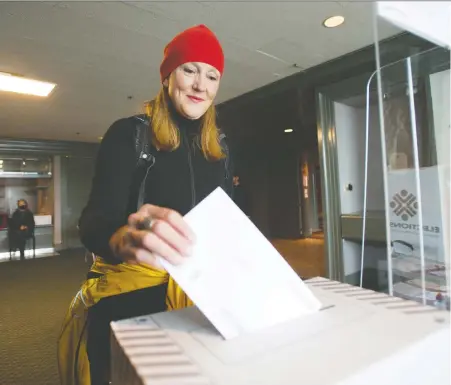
{"x": 191, "y": 170}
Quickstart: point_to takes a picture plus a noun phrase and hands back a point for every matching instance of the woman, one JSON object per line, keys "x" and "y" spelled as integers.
{"x": 189, "y": 163}
{"x": 21, "y": 226}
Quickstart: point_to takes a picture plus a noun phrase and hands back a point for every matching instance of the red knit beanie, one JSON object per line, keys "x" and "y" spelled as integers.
{"x": 195, "y": 44}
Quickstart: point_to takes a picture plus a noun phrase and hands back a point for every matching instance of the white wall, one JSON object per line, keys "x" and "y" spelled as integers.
{"x": 350, "y": 136}
{"x": 440, "y": 94}
{"x": 350, "y": 131}
{"x": 440, "y": 90}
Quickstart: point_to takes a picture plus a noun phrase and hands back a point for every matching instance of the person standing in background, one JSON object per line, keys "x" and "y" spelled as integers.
{"x": 22, "y": 226}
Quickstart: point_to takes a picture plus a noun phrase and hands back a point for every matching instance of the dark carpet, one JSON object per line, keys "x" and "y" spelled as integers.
{"x": 34, "y": 296}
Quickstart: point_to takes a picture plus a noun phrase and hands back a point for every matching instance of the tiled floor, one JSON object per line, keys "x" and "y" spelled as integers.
{"x": 35, "y": 295}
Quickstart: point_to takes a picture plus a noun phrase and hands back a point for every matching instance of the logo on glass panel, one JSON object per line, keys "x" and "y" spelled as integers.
{"x": 404, "y": 205}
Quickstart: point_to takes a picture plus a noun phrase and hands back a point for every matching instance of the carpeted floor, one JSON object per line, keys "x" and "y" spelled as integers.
{"x": 34, "y": 296}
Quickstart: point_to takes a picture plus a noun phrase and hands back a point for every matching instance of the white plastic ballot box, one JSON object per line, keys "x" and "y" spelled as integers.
{"x": 358, "y": 337}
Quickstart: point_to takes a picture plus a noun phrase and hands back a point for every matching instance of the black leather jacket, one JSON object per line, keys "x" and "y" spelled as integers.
{"x": 178, "y": 180}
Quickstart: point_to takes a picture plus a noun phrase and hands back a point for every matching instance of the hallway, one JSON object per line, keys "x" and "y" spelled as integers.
{"x": 36, "y": 294}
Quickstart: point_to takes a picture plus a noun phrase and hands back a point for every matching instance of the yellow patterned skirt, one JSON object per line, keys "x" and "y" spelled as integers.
{"x": 73, "y": 364}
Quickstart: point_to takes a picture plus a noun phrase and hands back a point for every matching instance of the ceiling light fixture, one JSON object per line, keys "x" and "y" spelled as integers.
{"x": 333, "y": 21}
{"x": 288, "y": 130}
{"x": 21, "y": 85}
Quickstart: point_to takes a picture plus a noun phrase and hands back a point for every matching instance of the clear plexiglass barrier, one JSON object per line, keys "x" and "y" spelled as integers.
{"x": 414, "y": 117}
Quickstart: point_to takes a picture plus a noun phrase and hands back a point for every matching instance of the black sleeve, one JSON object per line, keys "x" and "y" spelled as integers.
{"x": 14, "y": 223}
{"x": 30, "y": 221}
{"x": 106, "y": 210}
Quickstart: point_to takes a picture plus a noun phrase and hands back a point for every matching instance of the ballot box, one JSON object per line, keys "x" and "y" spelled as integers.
{"x": 358, "y": 337}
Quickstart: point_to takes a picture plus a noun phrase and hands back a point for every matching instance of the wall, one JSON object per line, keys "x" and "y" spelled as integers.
{"x": 350, "y": 131}
{"x": 267, "y": 159}
{"x": 253, "y": 172}
{"x": 76, "y": 179}
{"x": 268, "y": 176}
{"x": 284, "y": 194}
{"x": 350, "y": 135}
{"x": 17, "y": 188}
{"x": 57, "y": 209}
{"x": 440, "y": 95}
{"x": 375, "y": 192}
{"x": 48, "y": 196}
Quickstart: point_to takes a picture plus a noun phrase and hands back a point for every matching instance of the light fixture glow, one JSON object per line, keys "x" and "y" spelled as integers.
{"x": 20, "y": 85}
{"x": 333, "y": 21}
{"x": 44, "y": 252}
{"x": 288, "y": 130}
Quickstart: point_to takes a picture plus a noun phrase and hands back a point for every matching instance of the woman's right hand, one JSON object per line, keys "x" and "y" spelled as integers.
{"x": 168, "y": 236}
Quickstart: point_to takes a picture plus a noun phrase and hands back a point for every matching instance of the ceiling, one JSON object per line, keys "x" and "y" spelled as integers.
{"x": 102, "y": 53}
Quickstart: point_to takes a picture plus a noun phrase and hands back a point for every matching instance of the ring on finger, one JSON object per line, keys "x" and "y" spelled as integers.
{"x": 145, "y": 224}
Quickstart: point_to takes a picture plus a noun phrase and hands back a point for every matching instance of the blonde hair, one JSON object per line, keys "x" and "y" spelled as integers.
{"x": 166, "y": 135}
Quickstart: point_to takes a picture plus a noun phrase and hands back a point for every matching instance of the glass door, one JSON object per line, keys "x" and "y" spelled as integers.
{"x": 415, "y": 110}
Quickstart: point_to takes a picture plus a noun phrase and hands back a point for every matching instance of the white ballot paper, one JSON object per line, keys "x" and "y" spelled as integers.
{"x": 236, "y": 278}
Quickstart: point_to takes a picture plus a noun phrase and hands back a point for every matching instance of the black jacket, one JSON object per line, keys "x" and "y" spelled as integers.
{"x": 240, "y": 198}
{"x": 22, "y": 218}
{"x": 178, "y": 180}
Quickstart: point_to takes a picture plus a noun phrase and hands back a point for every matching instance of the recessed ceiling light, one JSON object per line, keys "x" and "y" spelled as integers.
{"x": 288, "y": 130}
{"x": 333, "y": 21}
{"x": 21, "y": 85}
